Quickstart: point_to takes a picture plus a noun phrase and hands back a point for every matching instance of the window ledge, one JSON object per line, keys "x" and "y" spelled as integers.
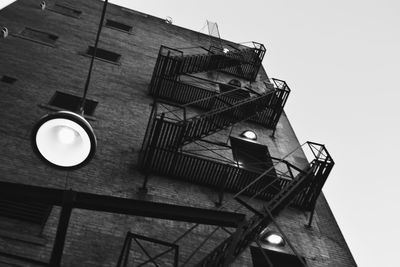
{"x": 32, "y": 40}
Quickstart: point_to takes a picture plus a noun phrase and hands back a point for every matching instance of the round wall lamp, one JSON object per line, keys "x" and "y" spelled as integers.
{"x": 272, "y": 238}
{"x": 64, "y": 140}
{"x": 249, "y": 134}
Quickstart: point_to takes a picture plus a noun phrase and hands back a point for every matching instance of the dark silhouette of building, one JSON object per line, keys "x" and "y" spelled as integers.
{"x": 176, "y": 180}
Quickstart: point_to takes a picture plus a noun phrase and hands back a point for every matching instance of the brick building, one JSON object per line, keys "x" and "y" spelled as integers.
{"x": 175, "y": 181}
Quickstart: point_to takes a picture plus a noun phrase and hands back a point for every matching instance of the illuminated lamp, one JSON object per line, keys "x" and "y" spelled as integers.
{"x": 272, "y": 238}
{"x": 249, "y": 134}
{"x": 64, "y": 140}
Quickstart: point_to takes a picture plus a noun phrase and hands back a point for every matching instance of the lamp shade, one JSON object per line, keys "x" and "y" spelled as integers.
{"x": 64, "y": 140}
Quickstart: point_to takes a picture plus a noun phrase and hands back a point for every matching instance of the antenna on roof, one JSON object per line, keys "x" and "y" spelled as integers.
{"x": 213, "y": 32}
{"x": 213, "y": 29}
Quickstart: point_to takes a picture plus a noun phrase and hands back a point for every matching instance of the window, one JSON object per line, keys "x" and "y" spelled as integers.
{"x": 71, "y": 102}
{"x": 278, "y": 259}
{"x": 22, "y": 218}
{"x": 38, "y": 36}
{"x": 251, "y": 155}
{"x": 104, "y": 54}
{"x": 66, "y": 11}
{"x": 118, "y": 26}
{"x": 8, "y": 79}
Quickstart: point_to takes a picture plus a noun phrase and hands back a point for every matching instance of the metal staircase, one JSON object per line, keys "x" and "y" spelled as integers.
{"x": 165, "y": 136}
{"x": 228, "y": 250}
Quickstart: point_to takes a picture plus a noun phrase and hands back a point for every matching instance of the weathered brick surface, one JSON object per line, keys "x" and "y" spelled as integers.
{"x": 94, "y": 238}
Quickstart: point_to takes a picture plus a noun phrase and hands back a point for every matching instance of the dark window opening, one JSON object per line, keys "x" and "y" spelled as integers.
{"x": 66, "y": 10}
{"x": 253, "y": 157}
{"x": 38, "y": 35}
{"x": 71, "y": 102}
{"x": 8, "y": 79}
{"x": 23, "y": 217}
{"x": 278, "y": 259}
{"x": 104, "y": 54}
{"x": 118, "y": 25}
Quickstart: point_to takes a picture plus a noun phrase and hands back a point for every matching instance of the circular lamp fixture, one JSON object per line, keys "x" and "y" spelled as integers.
{"x": 272, "y": 238}
{"x": 64, "y": 140}
{"x": 248, "y": 134}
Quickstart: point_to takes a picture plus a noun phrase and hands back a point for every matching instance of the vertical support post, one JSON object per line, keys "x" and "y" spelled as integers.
{"x": 58, "y": 247}
{"x": 124, "y": 248}
{"x": 176, "y": 256}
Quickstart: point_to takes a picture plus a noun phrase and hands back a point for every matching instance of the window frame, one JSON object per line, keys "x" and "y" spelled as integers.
{"x": 116, "y": 28}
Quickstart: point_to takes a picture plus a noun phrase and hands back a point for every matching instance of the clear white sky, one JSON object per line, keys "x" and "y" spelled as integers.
{"x": 341, "y": 59}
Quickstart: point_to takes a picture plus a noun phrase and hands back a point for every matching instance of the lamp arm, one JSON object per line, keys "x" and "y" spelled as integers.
{"x": 82, "y": 104}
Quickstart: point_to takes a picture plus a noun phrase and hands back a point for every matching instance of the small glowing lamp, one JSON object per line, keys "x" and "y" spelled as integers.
{"x": 248, "y": 134}
{"x": 272, "y": 238}
{"x": 64, "y": 140}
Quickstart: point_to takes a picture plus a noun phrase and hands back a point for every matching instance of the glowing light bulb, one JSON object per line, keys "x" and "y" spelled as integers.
{"x": 250, "y": 135}
{"x": 66, "y": 135}
{"x": 274, "y": 239}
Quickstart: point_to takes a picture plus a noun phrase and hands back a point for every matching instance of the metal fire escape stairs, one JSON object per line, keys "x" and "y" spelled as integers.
{"x": 223, "y": 109}
{"x": 312, "y": 178}
{"x": 167, "y": 135}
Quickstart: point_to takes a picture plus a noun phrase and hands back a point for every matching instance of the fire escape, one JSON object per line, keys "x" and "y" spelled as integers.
{"x": 170, "y": 131}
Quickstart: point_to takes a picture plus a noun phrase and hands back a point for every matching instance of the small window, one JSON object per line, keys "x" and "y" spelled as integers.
{"x": 66, "y": 11}
{"x": 118, "y": 25}
{"x": 104, "y": 54}
{"x": 71, "y": 102}
{"x": 8, "y": 79}
{"x": 38, "y": 36}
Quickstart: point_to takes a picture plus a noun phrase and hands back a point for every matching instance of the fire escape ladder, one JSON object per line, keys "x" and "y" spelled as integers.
{"x": 225, "y": 253}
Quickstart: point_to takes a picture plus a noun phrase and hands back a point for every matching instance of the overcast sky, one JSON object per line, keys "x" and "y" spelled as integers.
{"x": 341, "y": 59}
